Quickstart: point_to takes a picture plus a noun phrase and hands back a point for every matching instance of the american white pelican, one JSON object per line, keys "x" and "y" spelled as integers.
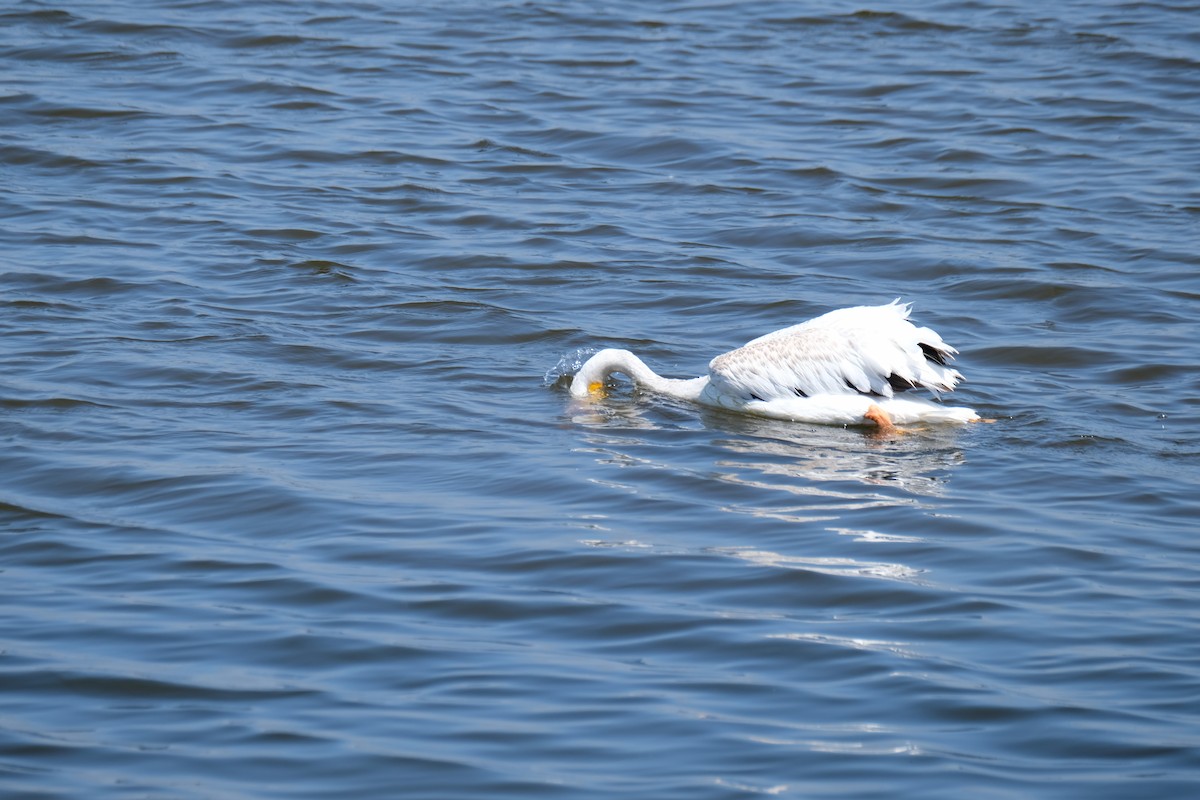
{"x": 845, "y": 367}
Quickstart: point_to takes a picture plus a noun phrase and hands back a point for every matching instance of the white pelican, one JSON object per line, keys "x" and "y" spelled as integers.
{"x": 845, "y": 368}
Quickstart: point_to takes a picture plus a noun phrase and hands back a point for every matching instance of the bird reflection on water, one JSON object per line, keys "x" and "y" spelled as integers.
{"x": 820, "y": 479}
{"x": 807, "y": 460}
{"x": 795, "y": 458}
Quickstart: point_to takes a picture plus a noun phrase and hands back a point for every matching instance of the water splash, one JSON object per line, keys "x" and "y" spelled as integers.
{"x": 562, "y": 372}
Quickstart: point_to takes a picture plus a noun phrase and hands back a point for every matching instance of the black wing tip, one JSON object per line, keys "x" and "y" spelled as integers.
{"x": 935, "y": 354}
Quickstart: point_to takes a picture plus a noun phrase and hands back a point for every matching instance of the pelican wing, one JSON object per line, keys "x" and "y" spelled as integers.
{"x": 871, "y": 350}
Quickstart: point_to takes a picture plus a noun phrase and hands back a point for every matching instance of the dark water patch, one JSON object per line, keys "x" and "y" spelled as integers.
{"x": 286, "y": 235}
{"x": 276, "y": 89}
{"x": 136, "y": 691}
{"x": 41, "y": 16}
{"x": 48, "y": 403}
{"x": 326, "y": 268}
{"x": 266, "y": 41}
{"x": 98, "y": 56}
{"x": 20, "y": 156}
{"x": 61, "y": 112}
{"x": 125, "y": 27}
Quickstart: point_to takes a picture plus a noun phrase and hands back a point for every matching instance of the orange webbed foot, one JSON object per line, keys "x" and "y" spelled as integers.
{"x": 883, "y": 421}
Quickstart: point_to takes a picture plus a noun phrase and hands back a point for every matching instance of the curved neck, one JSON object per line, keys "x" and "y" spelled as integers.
{"x": 597, "y": 369}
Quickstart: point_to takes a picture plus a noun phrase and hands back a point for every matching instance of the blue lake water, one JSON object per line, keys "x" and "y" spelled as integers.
{"x": 293, "y": 502}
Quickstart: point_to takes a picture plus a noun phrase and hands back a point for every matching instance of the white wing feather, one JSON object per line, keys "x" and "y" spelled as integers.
{"x": 866, "y": 350}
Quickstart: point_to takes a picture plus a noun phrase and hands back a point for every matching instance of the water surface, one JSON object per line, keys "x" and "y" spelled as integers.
{"x": 293, "y": 502}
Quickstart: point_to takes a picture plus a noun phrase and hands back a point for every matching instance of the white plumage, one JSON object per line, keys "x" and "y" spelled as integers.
{"x": 845, "y": 367}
